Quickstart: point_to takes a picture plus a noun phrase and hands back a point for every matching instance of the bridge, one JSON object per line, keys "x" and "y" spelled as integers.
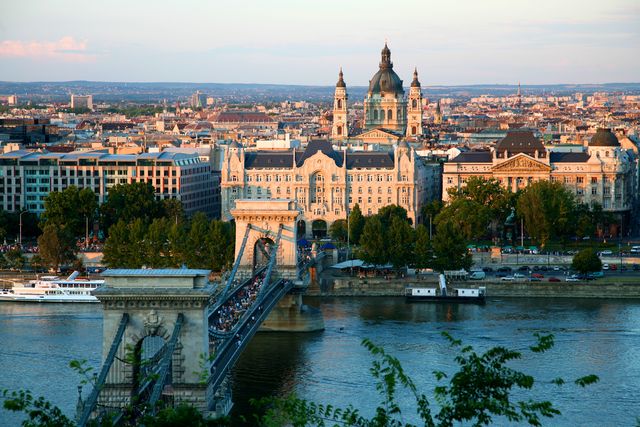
{"x": 171, "y": 336}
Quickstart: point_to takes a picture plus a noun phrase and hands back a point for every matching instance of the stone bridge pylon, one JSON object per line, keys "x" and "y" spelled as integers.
{"x": 261, "y": 219}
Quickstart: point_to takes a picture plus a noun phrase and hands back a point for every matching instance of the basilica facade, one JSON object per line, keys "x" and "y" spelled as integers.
{"x": 389, "y": 114}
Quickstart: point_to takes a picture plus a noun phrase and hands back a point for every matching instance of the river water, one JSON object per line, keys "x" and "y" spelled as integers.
{"x": 599, "y": 337}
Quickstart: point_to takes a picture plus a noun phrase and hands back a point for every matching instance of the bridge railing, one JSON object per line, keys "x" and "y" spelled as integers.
{"x": 229, "y": 350}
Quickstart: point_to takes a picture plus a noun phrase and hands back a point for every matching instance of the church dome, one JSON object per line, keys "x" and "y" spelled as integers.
{"x": 386, "y": 80}
{"x": 341, "y": 82}
{"x": 604, "y": 138}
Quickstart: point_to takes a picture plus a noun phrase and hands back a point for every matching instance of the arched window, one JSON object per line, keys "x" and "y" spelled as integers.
{"x": 414, "y": 103}
{"x": 375, "y": 114}
{"x": 382, "y": 114}
{"x": 389, "y": 114}
{"x": 339, "y": 104}
{"x": 413, "y": 130}
{"x": 339, "y": 130}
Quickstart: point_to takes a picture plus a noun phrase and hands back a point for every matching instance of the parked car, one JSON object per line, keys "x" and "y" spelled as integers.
{"x": 554, "y": 279}
{"x": 518, "y": 276}
{"x": 573, "y": 278}
{"x": 477, "y": 275}
{"x": 596, "y": 274}
{"x": 508, "y": 278}
{"x": 523, "y": 268}
{"x": 613, "y": 267}
{"x": 607, "y": 252}
{"x": 501, "y": 274}
{"x": 636, "y": 267}
{"x": 537, "y": 276}
{"x": 535, "y": 279}
{"x": 543, "y": 268}
{"x": 605, "y": 266}
{"x": 487, "y": 269}
{"x": 505, "y": 269}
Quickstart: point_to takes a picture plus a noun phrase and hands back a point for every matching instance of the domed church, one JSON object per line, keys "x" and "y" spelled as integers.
{"x": 388, "y": 113}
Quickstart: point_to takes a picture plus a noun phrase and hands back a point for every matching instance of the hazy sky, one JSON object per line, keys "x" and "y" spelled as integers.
{"x": 306, "y": 41}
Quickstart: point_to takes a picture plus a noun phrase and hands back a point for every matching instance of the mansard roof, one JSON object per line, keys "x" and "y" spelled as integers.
{"x": 473, "y": 157}
{"x": 569, "y": 157}
{"x": 520, "y": 141}
{"x": 283, "y": 159}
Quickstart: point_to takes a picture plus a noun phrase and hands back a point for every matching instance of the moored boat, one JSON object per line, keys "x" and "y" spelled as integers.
{"x": 442, "y": 294}
{"x": 53, "y": 289}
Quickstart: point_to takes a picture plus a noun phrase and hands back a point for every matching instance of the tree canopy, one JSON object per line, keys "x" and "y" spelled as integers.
{"x": 70, "y": 210}
{"x": 450, "y": 248}
{"x": 128, "y": 202}
{"x": 586, "y": 261}
{"x": 356, "y": 224}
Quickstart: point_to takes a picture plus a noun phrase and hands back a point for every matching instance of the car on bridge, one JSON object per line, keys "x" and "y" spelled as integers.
{"x": 508, "y": 278}
{"x": 554, "y": 279}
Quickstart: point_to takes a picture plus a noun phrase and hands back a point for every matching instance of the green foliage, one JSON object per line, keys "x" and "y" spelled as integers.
{"x": 450, "y": 248}
{"x": 199, "y": 243}
{"x": 468, "y": 216}
{"x": 57, "y": 246}
{"x": 373, "y": 248}
{"x": 128, "y": 202}
{"x": 423, "y": 252}
{"x": 338, "y": 230}
{"x": 389, "y": 212}
{"x": 586, "y": 261}
{"x": 478, "y": 392}
{"x": 400, "y": 238}
{"x": 548, "y": 209}
{"x": 15, "y": 259}
{"x": 69, "y": 210}
{"x": 10, "y": 225}
{"x": 431, "y": 210}
{"x": 39, "y": 411}
{"x": 356, "y": 224}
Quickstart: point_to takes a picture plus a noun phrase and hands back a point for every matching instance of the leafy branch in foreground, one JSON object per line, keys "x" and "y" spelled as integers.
{"x": 479, "y": 391}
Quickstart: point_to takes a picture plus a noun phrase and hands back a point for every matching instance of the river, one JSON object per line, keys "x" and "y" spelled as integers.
{"x": 599, "y": 337}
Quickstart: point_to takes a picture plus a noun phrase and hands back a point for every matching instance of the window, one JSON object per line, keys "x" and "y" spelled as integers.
{"x": 594, "y": 179}
{"x": 594, "y": 191}
{"x": 414, "y": 103}
{"x": 389, "y": 115}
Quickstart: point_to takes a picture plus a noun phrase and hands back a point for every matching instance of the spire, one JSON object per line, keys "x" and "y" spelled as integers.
{"x": 519, "y": 93}
{"x": 341, "y": 82}
{"x": 386, "y": 57}
{"x": 415, "y": 82}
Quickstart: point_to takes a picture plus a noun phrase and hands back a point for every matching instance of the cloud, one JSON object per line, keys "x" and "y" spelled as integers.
{"x": 67, "y": 49}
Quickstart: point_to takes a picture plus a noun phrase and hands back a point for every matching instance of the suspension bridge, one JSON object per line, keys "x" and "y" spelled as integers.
{"x": 171, "y": 336}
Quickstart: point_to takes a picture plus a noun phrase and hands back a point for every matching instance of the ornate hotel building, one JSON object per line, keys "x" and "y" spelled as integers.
{"x": 326, "y": 183}
{"x": 603, "y": 172}
{"x": 389, "y": 115}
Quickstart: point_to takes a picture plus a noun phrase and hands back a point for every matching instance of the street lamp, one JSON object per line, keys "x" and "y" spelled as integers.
{"x": 20, "y": 235}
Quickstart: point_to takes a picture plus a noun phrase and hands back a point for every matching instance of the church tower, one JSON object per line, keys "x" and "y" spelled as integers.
{"x": 340, "y": 129}
{"x": 437, "y": 118}
{"x": 414, "y": 108}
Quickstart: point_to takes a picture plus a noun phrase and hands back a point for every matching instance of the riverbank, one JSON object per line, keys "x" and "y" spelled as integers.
{"x": 343, "y": 286}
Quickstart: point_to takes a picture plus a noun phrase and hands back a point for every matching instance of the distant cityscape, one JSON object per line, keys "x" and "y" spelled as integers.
{"x": 210, "y": 145}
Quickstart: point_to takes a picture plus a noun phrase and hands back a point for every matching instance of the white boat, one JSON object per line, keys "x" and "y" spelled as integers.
{"x": 461, "y": 295}
{"x": 53, "y": 289}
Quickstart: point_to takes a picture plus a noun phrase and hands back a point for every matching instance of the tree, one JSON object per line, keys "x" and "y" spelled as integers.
{"x": 400, "y": 238}
{"x": 450, "y": 248}
{"x": 356, "y": 224}
{"x": 338, "y": 230}
{"x": 128, "y": 202}
{"x": 196, "y": 248}
{"x": 481, "y": 389}
{"x": 173, "y": 210}
{"x": 57, "y": 246}
{"x": 15, "y": 259}
{"x": 490, "y": 194}
{"x": 548, "y": 209}
{"x": 423, "y": 252}
{"x": 221, "y": 244}
{"x": 69, "y": 209}
{"x": 373, "y": 247}
{"x": 431, "y": 210}
{"x": 586, "y": 261}
{"x": 387, "y": 213}
{"x": 156, "y": 244}
{"x": 468, "y": 216}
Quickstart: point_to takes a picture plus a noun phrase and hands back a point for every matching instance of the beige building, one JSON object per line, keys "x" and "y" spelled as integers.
{"x": 388, "y": 114}
{"x": 327, "y": 184}
{"x": 604, "y": 172}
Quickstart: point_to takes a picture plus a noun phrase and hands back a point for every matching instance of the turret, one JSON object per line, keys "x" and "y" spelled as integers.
{"x": 414, "y": 107}
{"x": 340, "y": 128}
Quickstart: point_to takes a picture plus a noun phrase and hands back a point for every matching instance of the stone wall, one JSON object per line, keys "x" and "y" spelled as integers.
{"x": 353, "y": 286}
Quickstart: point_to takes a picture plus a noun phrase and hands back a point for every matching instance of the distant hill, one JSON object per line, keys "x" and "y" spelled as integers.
{"x": 112, "y": 92}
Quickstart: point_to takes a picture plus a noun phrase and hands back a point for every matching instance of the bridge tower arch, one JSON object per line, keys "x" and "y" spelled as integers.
{"x": 263, "y": 219}
{"x": 160, "y": 317}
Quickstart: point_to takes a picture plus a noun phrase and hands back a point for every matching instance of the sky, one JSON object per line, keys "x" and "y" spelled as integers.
{"x": 451, "y": 42}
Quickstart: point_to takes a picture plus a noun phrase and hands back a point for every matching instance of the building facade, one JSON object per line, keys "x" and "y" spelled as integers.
{"x": 82, "y": 101}
{"x": 388, "y": 113}
{"x": 27, "y": 177}
{"x": 604, "y": 172}
{"x": 327, "y": 184}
